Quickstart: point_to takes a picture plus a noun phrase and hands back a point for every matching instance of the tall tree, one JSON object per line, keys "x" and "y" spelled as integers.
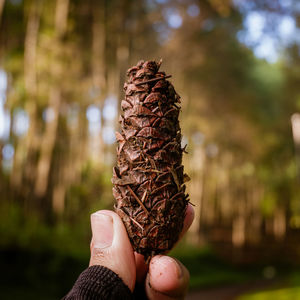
{"x": 54, "y": 105}
{"x": 2, "y": 2}
{"x": 29, "y": 145}
{"x": 99, "y": 62}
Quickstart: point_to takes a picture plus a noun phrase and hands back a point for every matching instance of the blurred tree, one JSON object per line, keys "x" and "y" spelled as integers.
{"x": 1, "y": 8}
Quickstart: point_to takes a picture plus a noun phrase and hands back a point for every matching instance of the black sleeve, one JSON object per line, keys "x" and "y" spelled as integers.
{"x": 98, "y": 282}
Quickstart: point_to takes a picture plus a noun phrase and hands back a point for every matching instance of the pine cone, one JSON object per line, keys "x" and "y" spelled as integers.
{"x": 148, "y": 179}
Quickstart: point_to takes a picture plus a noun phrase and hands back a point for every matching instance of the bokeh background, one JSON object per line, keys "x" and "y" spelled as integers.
{"x": 236, "y": 65}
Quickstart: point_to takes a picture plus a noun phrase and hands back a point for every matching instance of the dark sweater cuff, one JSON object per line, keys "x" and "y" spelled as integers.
{"x": 98, "y": 282}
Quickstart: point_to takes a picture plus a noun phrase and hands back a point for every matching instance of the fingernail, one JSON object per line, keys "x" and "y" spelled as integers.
{"x": 103, "y": 230}
{"x": 179, "y": 271}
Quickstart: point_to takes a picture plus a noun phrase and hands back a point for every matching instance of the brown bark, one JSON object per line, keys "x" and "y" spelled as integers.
{"x": 2, "y": 2}
{"x": 279, "y": 223}
{"x": 99, "y": 63}
{"x": 55, "y": 98}
{"x": 197, "y": 162}
{"x": 208, "y": 214}
{"x": 29, "y": 144}
{"x": 98, "y": 45}
{"x": 239, "y": 225}
{"x": 122, "y": 49}
{"x": 61, "y": 168}
{"x": 61, "y": 17}
{"x": 255, "y": 224}
{"x": 47, "y": 144}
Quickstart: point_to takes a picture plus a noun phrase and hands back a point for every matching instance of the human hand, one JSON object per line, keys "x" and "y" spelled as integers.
{"x": 165, "y": 278}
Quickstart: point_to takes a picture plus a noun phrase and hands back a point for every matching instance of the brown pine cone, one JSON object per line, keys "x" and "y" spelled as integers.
{"x": 149, "y": 179}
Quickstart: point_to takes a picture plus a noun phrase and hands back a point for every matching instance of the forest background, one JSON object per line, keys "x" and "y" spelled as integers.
{"x": 236, "y": 66}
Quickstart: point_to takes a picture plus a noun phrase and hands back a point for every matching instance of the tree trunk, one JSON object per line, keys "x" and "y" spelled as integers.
{"x": 26, "y": 147}
{"x": 122, "y": 50}
{"x": 279, "y": 223}
{"x": 2, "y": 2}
{"x": 196, "y": 171}
{"x": 47, "y": 144}
{"x": 99, "y": 65}
{"x": 55, "y": 98}
{"x": 239, "y": 225}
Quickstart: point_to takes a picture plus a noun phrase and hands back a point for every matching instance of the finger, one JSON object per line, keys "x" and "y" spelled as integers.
{"x": 188, "y": 220}
{"x": 141, "y": 266}
{"x": 110, "y": 246}
{"x": 167, "y": 279}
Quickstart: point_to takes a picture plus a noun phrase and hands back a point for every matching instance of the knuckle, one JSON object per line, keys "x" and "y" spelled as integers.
{"x": 97, "y": 256}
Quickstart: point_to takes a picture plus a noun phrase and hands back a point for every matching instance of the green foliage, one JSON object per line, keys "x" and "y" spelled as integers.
{"x": 31, "y": 233}
{"x": 268, "y": 203}
{"x": 287, "y": 290}
{"x": 38, "y": 274}
{"x": 92, "y": 193}
{"x": 207, "y": 270}
{"x": 278, "y": 294}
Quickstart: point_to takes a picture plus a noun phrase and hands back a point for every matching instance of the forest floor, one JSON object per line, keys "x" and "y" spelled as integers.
{"x": 28, "y": 274}
{"x": 232, "y": 291}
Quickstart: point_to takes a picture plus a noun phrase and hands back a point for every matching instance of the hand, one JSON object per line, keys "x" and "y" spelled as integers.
{"x": 164, "y": 279}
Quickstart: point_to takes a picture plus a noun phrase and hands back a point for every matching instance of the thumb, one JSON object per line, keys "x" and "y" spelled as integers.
{"x": 110, "y": 246}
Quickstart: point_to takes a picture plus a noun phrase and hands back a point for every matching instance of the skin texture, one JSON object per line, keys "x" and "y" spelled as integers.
{"x": 163, "y": 279}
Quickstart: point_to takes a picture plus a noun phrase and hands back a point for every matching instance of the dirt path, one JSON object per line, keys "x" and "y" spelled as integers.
{"x": 230, "y": 292}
